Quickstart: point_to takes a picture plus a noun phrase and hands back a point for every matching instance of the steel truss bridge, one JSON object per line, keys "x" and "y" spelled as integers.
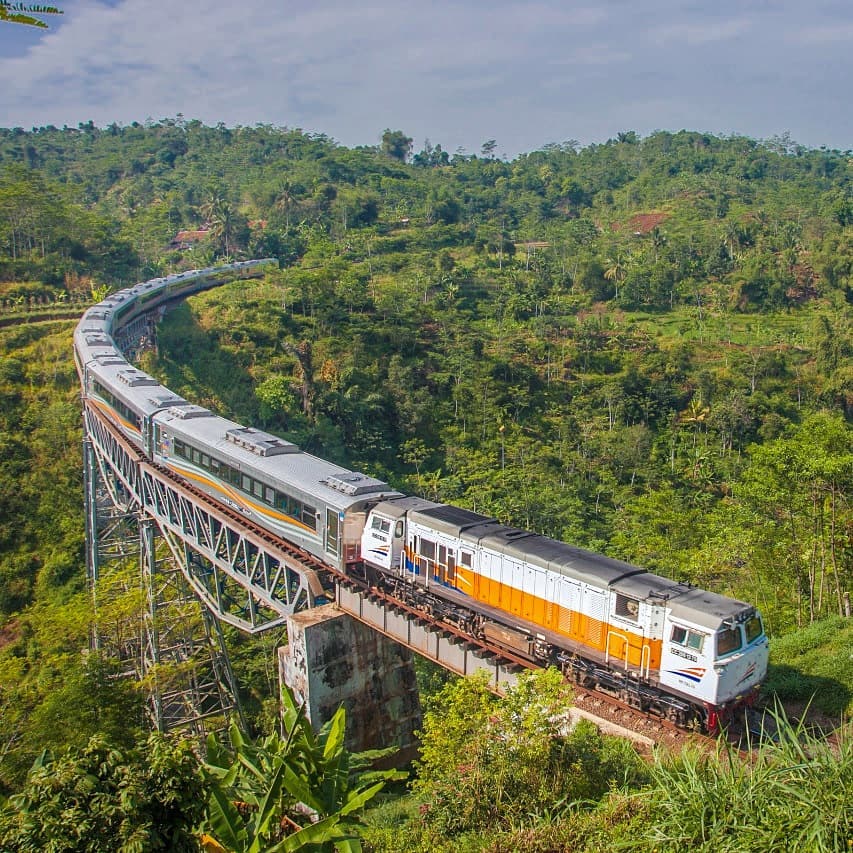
{"x": 199, "y": 565}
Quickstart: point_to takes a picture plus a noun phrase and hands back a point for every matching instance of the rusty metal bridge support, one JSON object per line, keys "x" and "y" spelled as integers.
{"x": 245, "y": 576}
{"x": 146, "y": 616}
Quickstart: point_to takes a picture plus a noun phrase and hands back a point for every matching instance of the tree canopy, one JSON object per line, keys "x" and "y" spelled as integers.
{"x": 642, "y": 347}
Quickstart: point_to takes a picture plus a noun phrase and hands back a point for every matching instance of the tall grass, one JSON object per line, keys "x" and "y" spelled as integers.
{"x": 791, "y": 795}
{"x": 795, "y": 795}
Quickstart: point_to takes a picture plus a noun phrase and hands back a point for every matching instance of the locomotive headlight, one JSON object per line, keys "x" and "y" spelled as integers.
{"x": 719, "y": 668}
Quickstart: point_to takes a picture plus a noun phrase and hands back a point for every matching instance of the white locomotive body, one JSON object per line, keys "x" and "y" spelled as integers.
{"x": 646, "y": 638}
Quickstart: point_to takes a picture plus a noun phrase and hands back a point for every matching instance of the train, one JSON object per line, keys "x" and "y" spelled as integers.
{"x": 665, "y": 647}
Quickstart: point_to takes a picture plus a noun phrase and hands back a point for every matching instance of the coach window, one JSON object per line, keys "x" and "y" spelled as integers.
{"x": 269, "y": 495}
{"x": 465, "y": 558}
{"x": 214, "y": 465}
{"x": 205, "y": 460}
{"x": 427, "y": 549}
{"x": 257, "y": 489}
{"x": 398, "y": 530}
{"x": 309, "y": 516}
{"x": 246, "y": 483}
{"x": 627, "y": 608}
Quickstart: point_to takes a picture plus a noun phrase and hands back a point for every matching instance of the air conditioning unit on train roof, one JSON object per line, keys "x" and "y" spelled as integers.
{"x": 259, "y": 442}
{"x": 161, "y": 401}
{"x": 97, "y": 337}
{"x": 136, "y": 378}
{"x": 185, "y": 411}
{"x": 354, "y": 483}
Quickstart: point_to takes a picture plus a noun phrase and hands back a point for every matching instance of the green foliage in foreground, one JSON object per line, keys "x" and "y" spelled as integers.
{"x": 299, "y": 790}
{"x": 487, "y": 763}
{"x": 793, "y": 795}
{"x": 102, "y": 798}
{"x": 296, "y": 791}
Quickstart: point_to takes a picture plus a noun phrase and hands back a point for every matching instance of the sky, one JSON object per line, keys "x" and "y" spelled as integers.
{"x": 457, "y": 73}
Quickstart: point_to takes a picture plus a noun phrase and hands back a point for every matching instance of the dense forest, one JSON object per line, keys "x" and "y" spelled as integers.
{"x": 643, "y": 347}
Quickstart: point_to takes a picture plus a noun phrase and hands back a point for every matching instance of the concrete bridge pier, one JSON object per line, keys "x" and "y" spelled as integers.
{"x": 332, "y": 659}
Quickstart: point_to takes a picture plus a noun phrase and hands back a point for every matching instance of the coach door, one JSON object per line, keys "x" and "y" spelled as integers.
{"x": 333, "y": 532}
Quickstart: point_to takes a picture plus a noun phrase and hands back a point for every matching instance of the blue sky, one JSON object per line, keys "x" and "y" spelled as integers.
{"x": 458, "y": 73}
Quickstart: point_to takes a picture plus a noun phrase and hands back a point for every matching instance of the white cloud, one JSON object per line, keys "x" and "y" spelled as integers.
{"x": 702, "y": 32}
{"x": 524, "y": 73}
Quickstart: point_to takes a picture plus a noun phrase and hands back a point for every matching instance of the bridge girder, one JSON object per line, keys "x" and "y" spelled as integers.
{"x": 242, "y": 575}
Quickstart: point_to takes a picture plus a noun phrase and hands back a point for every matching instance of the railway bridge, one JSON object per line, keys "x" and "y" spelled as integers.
{"x": 204, "y": 565}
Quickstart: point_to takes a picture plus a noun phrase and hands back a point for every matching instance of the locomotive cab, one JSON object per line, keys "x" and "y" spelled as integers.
{"x": 720, "y": 659}
{"x": 740, "y": 655}
{"x": 383, "y": 542}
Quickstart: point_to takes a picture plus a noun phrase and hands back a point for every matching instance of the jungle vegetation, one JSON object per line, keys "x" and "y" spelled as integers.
{"x": 641, "y": 346}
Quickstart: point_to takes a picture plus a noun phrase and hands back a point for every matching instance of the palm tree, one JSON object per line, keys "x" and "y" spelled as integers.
{"x": 616, "y": 271}
{"x": 732, "y": 237}
{"x": 221, "y": 221}
{"x": 284, "y": 200}
{"x": 210, "y": 206}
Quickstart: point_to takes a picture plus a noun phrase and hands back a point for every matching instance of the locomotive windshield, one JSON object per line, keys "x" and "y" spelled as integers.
{"x": 731, "y": 639}
{"x": 754, "y": 629}
{"x": 728, "y": 640}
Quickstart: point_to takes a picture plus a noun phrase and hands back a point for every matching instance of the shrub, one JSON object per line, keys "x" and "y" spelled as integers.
{"x": 488, "y": 763}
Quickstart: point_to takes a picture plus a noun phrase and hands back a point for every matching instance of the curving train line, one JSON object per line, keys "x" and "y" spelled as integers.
{"x": 668, "y": 649}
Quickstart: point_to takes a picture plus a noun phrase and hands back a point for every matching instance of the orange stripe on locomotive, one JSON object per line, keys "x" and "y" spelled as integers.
{"x": 632, "y": 649}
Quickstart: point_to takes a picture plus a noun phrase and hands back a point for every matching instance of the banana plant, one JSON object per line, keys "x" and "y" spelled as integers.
{"x": 292, "y": 791}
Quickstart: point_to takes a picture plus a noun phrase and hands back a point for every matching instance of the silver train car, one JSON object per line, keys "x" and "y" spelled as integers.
{"x": 128, "y": 395}
{"x": 314, "y": 504}
{"x": 667, "y": 648}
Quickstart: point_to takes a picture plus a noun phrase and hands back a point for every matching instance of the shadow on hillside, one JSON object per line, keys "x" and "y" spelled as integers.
{"x": 199, "y": 368}
{"x": 800, "y": 692}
